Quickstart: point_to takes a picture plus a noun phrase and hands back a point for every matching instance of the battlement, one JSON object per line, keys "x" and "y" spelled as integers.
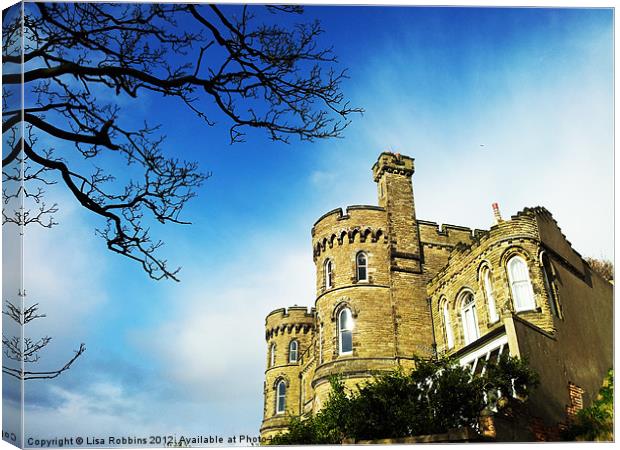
{"x": 291, "y": 319}
{"x": 552, "y": 236}
{"x": 532, "y": 211}
{"x": 393, "y": 163}
{"x": 523, "y": 225}
{"x": 431, "y": 233}
{"x": 292, "y": 312}
{"x": 361, "y": 223}
{"x": 353, "y": 212}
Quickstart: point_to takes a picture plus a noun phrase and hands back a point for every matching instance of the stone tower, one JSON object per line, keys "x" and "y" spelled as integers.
{"x": 283, "y": 327}
{"x": 371, "y": 312}
{"x": 412, "y": 329}
{"x": 343, "y": 241}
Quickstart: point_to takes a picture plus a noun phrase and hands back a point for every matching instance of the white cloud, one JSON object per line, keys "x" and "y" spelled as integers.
{"x": 546, "y": 142}
{"x": 100, "y": 409}
{"x": 63, "y": 271}
{"x": 212, "y": 346}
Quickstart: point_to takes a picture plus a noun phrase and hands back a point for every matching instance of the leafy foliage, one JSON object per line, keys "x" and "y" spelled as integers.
{"x": 326, "y": 427}
{"x": 596, "y": 423}
{"x": 436, "y": 396}
{"x": 603, "y": 267}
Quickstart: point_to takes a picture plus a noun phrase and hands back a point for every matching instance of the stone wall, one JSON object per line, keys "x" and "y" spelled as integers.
{"x": 491, "y": 250}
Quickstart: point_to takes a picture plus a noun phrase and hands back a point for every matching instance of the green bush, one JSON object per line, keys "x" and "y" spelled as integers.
{"x": 596, "y": 423}
{"x": 436, "y": 396}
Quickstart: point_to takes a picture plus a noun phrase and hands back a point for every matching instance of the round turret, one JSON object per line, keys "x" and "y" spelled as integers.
{"x": 354, "y": 313}
{"x": 288, "y": 333}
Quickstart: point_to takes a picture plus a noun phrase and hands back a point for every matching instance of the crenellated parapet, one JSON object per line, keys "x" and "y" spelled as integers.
{"x": 292, "y": 320}
{"x": 553, "y": 239}
{"x": 350, "y": 235}
{"x": 360, "y": 224}
{"x": 395, "y": 163}
{"x": 357, "y": 214}
{"x": 446, "y": 234}
{"x": 521, "y": 228}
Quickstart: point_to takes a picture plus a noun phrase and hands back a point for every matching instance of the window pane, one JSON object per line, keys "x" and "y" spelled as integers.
{"x": 474, "y": 323}
{"x": 470, "y": 328}
{"x": 467, "y": 326}
{"x": 281, "y": 397}
{"x": 328, "y": 274}
{"x": 345, "y": 328}
{"x": 346, "y": 341}
{"x": 448, "y": 326}
{"x": 346, "y": 321}
{"x": 520, "y": 283}
{"x": 362, "y": 267}
{"x": 468, "y": 300}
{"x": 518, "y": 269}
{"x": 488, "y": 286}
{"x": 523, "y": 299}
{"x": 361, "y": 259}
{"x": 361, "y": 273}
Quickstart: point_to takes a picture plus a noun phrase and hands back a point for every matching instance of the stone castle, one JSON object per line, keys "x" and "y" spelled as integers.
{"x": 390, "y": 286}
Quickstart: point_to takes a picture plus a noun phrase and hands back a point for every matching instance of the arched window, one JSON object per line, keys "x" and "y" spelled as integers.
{"x": 345, "y": 332}
{"x": 272, "y": 355}
{"x": 329, "y": 274}
{"x": 361, "y": 261}
{"x": 292, "y": 351}
{"x": 280, "y": 397}
{"x": 548, "y": 274}
{"x": 469, "y": 317}
{"x": 520, "y": 285}
{"x": 447, "y": 325}
{"x": 488, "y": 290}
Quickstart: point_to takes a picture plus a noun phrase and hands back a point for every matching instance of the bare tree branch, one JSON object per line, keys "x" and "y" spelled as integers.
{"x": 27, "y": 350}
{"x": 256, "y": 72}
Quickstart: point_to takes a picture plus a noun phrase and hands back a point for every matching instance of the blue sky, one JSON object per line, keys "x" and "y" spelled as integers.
{"x": 533, "y": 86}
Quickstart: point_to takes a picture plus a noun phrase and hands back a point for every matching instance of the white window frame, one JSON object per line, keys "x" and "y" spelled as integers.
{"x": 447, "y": 324}
{"x": 488, "y": 290}
{"x": 328, "y": 273}
{"x": 358, "y": 266}
{"x": 280, "y": 409}
{"x": 485, "y": 351}
{"x": 469, "y": 309}
{"x": 341, "y": 330}
{"x": 521, "y": 304}
{"x": 292, "y": 351}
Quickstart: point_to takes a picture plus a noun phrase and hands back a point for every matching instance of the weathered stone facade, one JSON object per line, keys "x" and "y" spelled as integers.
{"x": 390, "y": 286}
